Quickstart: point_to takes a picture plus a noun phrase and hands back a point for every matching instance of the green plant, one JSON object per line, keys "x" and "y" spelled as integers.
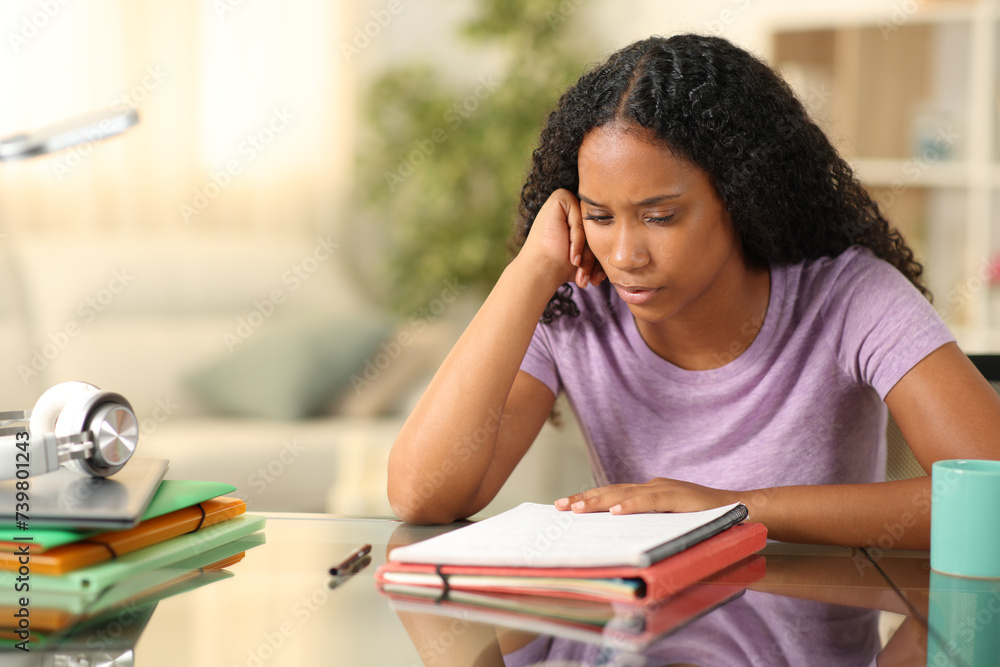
{"x": 441, "y": 165}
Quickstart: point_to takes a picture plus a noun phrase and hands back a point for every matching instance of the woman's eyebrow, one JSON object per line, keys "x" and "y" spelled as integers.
{"x": 645, "y": 202}
{"x": 656, "y": 200}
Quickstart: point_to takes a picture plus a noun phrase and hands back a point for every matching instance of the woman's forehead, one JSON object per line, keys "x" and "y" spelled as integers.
{"x": 612, "y": 157}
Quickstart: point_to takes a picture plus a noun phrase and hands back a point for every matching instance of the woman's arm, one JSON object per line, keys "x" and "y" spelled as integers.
{"x": 480, "y": 414}
{"x": 944, "y": 408}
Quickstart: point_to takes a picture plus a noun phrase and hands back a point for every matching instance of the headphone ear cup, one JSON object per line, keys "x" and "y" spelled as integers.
{"x": 85, "y": 467}
{"x": 74, "y": 419}
{"x": 50, "y": 405}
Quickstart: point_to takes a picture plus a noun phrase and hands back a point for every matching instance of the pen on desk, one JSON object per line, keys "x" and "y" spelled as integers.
{"x": 352, "y": 559}
{"x": 340, "y": 579}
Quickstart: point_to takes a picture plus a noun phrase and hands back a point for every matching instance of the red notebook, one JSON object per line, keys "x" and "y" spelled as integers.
{"x": 628, "y": 626}
{"x": 639, "y": 585}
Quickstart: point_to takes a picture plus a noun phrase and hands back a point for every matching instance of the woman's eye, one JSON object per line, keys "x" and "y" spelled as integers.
{"x": 660, "y": 219}
{"x": 597, "y": 218}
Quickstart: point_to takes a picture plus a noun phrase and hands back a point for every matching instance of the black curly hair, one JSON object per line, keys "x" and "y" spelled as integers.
{"x": 789, "y": 194}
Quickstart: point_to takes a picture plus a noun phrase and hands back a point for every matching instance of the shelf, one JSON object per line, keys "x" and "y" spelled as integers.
{"x": 884, "y": 99}
{"x": 915, "y": 173}
{"x": 954, "y": 11}
{"x": 912, "y": 100}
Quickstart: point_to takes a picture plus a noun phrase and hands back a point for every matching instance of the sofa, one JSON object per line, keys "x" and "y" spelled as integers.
{"x": 256, "y": 361}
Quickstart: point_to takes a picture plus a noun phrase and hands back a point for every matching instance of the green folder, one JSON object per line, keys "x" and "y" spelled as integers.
{"x": 55, "y": 645}
{"x": 171, "y": 495}
{"x": 90, "y": 581}
{"x": 132, "y": 588}
{"x": 144, "y": 591}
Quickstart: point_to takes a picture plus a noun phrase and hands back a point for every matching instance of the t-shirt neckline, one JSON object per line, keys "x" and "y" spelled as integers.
{"x": 739, "y": 365}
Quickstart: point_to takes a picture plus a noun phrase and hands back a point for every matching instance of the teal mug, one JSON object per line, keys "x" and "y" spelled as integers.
{"x": 965, "y": 506}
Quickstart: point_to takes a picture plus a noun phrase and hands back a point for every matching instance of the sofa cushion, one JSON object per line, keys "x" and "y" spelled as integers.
{"x": 289, "y": 370}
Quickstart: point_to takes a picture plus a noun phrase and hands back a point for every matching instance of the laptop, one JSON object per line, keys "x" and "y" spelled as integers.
{"x": 65, "y": 498}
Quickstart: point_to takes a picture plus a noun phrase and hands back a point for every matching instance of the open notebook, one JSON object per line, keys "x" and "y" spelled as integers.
{"x": 538, "y": 550}
{"x": 535, "y": 535}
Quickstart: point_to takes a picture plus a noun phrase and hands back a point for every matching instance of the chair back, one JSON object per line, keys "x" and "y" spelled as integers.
{"x": 900, "y": 462}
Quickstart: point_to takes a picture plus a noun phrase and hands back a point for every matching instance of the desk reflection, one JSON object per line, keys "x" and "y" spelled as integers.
{"x": 755, "y": 629}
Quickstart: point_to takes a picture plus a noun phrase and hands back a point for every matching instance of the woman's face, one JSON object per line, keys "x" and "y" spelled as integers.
{"x": 656, "y": 225}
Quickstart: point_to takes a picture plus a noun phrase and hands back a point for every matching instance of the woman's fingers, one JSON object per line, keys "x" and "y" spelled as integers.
{"x": 597, "y": 499}
{"x": 612, "y": 500}
{"x": 577, "y": 239}
{"x": 591, "y": 267}
{"x": 560, "y": 218}
{"x": 598, "y": 276}
{"x": 617, "y": 499}
{"x": 657, "y": 495}
{"x": 574, "y": 218}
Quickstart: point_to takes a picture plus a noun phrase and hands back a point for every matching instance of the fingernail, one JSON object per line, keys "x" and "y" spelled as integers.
{"x": 577, "y": 259}
{"x": 615, "y": 509}
{"x": 586, "y": 281}
{"x": 578, "y": 505}
{"x": 562, "y": 502}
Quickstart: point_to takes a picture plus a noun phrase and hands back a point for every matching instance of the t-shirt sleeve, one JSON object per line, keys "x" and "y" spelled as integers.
{"x": 540, "y": 362}
{"x": 879, "y": 325}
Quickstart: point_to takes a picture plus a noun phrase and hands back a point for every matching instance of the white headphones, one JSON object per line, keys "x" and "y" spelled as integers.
{"x": 73, "y": 423}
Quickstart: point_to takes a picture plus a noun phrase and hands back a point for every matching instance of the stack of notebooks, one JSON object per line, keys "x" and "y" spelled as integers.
{"x": 165, "y": 537}
{"x": 598, "y": 577}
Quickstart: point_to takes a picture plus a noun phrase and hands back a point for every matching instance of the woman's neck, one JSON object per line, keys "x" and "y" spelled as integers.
{"x": 719, "y": 326}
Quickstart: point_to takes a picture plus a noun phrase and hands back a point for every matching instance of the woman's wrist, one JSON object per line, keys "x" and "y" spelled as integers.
{"x": 545, "y": 275}
{"x": 758, "y": 502}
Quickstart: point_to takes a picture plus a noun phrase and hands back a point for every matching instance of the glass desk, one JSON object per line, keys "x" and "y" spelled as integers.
{"x": 808, "y": 606}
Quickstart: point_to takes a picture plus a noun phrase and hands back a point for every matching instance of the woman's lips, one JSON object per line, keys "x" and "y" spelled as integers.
{"x": 636, "y": 294}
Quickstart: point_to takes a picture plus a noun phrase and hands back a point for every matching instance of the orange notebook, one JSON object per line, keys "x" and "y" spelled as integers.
{"x": 105, "y": 546}
{"x": 638, "y": 585}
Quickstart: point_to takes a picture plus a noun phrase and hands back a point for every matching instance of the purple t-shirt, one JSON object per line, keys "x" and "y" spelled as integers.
{"x": 802, "y": 405}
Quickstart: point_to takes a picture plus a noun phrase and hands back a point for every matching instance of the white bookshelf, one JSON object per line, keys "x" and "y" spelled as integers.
{"x": 910, "y": 97}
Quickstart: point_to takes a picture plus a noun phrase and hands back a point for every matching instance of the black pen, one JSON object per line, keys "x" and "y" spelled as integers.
{"x": 352, "y": 559}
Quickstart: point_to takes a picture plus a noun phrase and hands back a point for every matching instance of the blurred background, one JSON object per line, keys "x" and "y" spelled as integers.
{"x": 271, "y": 265}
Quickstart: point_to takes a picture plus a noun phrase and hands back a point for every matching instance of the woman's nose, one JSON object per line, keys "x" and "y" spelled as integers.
{"x": 628, "y": 253}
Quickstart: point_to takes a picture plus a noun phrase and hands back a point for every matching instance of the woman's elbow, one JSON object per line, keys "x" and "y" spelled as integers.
{"x": 415, "y": 508}
{"x": 419, "y": 503}
{"x": 417, "y": 494}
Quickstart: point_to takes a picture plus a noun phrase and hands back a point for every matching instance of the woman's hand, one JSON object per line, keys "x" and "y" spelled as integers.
{"x": 656, "y": 495}
{"x": 557, "y": 240}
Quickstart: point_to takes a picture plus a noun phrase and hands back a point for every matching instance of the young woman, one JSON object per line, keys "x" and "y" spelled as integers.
{"x": 742, "y": 315}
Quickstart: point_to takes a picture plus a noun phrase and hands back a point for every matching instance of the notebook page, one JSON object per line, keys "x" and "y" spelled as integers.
{"x": 535, "y": 535}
